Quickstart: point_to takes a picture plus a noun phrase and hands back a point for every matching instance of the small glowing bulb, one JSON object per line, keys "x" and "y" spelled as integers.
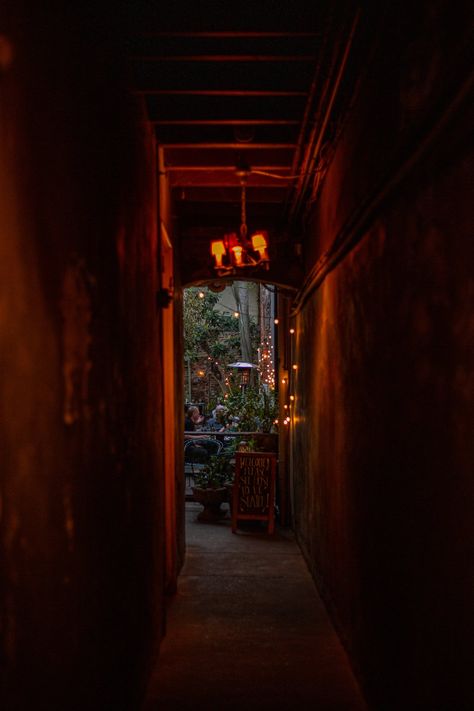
{"x": 292, "y": 397}
{"x": 236, "y": 314}
{"x": 292, "y": 330}
{"x": 295, "y": 367}
{"x": 283, "y": 382}
{"x": 201, "y": 295}
{"x": 286, "y": 407}
{"x": 276, "y": 321}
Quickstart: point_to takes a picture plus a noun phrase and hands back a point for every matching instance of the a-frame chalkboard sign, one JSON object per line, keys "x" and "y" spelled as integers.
{"x": 254, "y": 488}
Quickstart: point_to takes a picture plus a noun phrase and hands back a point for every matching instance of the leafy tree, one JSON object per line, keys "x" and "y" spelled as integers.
{"x": 240, "y": 291}
{"x": 207, "y": 328}
{"x": 255, "y": 407}
{"x": 213, "y": 339}
{"x": 211, "y": 336}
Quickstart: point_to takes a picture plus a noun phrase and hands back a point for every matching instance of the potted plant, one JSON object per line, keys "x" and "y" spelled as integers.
{"x": 255, "y": 408}
{"x": 209, "y": 489}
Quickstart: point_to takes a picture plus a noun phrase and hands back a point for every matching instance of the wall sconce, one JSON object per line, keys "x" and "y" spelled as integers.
{"x": 164, "y": 297}
{"x": 237, "y": 251}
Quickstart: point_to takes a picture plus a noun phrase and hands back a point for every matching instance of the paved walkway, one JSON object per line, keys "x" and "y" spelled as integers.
{"x": 248, "y": 631}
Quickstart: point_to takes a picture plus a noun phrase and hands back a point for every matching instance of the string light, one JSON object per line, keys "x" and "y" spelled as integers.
{"x": 292, "y": 397}
{"x": 201, "y": 295}
{"x": 276, "y": 321}
{"x": 295, "y": 367}
{"x": 292, "y": 330}
{"x": 266, "y": 368}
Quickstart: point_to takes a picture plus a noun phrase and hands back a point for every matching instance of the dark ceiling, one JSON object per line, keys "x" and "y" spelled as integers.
{"x": 227, "y": 86}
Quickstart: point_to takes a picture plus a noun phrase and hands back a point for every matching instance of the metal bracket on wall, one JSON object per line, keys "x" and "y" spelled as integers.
{"x": 163, "y": 298}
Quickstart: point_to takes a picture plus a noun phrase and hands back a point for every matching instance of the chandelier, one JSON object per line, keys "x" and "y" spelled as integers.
{"x": 237, "y": 251}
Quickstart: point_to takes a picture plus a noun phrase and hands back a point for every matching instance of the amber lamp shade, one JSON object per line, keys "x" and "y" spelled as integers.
{"x": 218, "y": 250}
{"x": 259, "y": 244}
{"x": 237, "y": 254}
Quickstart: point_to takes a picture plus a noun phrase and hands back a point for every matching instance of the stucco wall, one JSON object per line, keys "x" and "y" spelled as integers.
{"x": 80, "y": 421}
{"x": 382, "y": 445}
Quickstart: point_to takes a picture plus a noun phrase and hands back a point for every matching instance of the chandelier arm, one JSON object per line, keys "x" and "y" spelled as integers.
{"x": 238, "y": 252}
{"x": 243, "y": 214}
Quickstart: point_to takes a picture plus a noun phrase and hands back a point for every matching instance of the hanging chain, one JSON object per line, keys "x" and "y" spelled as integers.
{"x": 243, "y": 215}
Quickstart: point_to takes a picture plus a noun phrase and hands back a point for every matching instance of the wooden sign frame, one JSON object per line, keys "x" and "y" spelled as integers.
{"x": 254, "y": 471}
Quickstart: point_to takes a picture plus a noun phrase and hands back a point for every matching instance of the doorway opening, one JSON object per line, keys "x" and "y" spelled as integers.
{"x": 230, "y": 386}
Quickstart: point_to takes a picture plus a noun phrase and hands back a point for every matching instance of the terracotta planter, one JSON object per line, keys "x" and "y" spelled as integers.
{"x": 211, "y": 500}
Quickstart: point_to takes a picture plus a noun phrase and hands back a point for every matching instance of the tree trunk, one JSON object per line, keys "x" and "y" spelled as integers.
{"x": 240, "y": 289}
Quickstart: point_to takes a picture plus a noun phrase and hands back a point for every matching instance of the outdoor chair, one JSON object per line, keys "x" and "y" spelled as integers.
{"x": 197, "y": 453}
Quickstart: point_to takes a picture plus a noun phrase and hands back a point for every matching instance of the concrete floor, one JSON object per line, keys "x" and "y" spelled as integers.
{"x": 247, "y": 629}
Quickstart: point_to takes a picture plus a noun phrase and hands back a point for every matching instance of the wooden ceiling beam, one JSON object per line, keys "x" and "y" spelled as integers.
{"x": 223, "y": 146}
{"x": 225, "y": 122}
{"x": 230, "y": 34}
{"x": 229, "y": 168}
{"x": 230, "y": 194}
{"x": 225, "y": 58}
{"x": 216, "y": 92}
{"x": 221, "y": 177}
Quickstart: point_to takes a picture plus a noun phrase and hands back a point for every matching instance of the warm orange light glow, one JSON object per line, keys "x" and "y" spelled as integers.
{"x": 236, "y": 314}
{"x": 218, "y": 251}
{"x": 237, "y": 253}
{"x": 292, "y": 330}
{"x": 201, "y": 295}
{"x": 259, "y": 244}
{"x": 295, "y": 367}
{"x": 276, "y": 321}
{"x": 230, "y": 253}
{"x": 292, "y": 397}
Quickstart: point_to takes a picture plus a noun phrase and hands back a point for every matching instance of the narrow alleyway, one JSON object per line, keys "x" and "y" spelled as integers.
{"x": 150, "y": 147}
{"x": 247, "y": 629}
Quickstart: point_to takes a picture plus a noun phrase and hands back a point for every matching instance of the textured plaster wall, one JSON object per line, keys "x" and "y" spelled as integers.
{"x": 80, "y": 392}
{"x": 383, "y": 419}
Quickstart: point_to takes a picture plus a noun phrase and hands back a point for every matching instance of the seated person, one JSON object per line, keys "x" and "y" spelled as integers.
{"x": 193, "y": 419}
{"x": 216, "y": 423}
{"x": 233, "y": 424}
